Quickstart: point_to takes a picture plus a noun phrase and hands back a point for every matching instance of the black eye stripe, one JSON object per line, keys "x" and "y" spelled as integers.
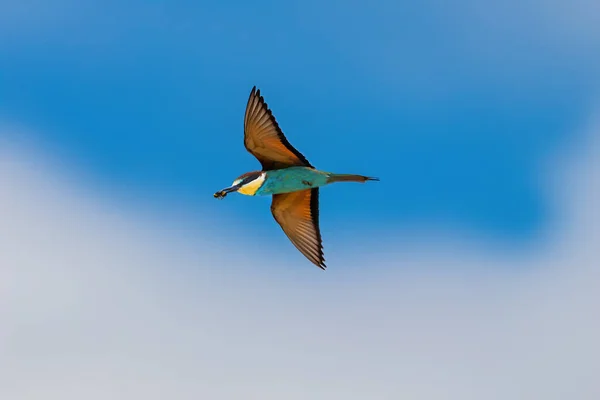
{"x": 248, "y": 179}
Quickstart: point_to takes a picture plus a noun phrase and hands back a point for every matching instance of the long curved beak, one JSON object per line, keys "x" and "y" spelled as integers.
{"x": 222, "y": 193}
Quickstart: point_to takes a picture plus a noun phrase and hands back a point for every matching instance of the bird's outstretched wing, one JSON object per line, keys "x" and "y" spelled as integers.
{"x": 264, "y": 139}
{"x": 298, "y": 215}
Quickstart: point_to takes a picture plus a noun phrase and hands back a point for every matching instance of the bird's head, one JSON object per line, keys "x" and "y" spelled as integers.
{"x": 247, "y": 184}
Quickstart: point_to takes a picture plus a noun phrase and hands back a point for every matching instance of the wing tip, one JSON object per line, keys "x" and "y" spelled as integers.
{"x": 314, "y": 211}
{"x": 253, "y": 93}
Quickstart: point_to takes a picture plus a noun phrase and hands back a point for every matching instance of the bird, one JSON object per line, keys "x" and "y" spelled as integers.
{"x": 287, "y": 176}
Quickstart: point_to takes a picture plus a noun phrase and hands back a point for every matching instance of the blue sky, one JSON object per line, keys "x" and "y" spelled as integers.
{"x": 121, "y": 277}
{"x": 454, "y": 108}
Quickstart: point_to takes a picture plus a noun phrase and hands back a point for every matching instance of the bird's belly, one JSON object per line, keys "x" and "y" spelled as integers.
{"x": 292, "y": 179}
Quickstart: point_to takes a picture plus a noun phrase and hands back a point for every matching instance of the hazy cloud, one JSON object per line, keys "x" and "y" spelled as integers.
{"x": 99, "y": 302}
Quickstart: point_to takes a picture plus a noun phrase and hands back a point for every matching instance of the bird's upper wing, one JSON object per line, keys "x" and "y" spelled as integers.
{"x": 298, "y": 215}
{"x": 264, "y": 139}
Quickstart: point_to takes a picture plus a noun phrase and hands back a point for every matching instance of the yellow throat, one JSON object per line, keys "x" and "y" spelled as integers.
{"x": 252, "y": 187}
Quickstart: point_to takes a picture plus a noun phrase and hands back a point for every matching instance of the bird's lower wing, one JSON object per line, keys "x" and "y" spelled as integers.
{"x": 298, "y": 215}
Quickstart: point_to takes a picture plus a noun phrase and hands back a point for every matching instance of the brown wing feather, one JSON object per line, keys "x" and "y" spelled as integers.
{"x": 298, "y": 215}
{"x": 264, "y": 139}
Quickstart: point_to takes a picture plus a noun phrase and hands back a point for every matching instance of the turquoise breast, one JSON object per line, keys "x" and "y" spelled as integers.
{"x": 291, "y": 180}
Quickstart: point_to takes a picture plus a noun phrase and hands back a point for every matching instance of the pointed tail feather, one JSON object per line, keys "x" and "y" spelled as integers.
{"x": 349, "y": 178}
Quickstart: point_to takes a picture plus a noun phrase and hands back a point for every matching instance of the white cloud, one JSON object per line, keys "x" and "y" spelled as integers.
{"x": 98, "y": 302}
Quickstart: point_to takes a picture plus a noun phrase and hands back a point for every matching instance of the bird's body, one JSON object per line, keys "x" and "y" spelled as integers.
{"x": 287, "y": 180}
{"x": 287, "y": 176}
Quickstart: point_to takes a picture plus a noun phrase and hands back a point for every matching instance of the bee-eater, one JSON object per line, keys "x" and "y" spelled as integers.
{"x": 286, "y": 175}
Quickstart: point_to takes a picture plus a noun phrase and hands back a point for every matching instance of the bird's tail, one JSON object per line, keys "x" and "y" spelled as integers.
{"x": 349, "y": 178}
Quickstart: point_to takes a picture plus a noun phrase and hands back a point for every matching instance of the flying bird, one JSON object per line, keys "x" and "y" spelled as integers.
{"x": 287, "y": 176}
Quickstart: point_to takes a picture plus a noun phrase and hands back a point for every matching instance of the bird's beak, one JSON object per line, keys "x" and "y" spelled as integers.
{"x": 222, "y": 193}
